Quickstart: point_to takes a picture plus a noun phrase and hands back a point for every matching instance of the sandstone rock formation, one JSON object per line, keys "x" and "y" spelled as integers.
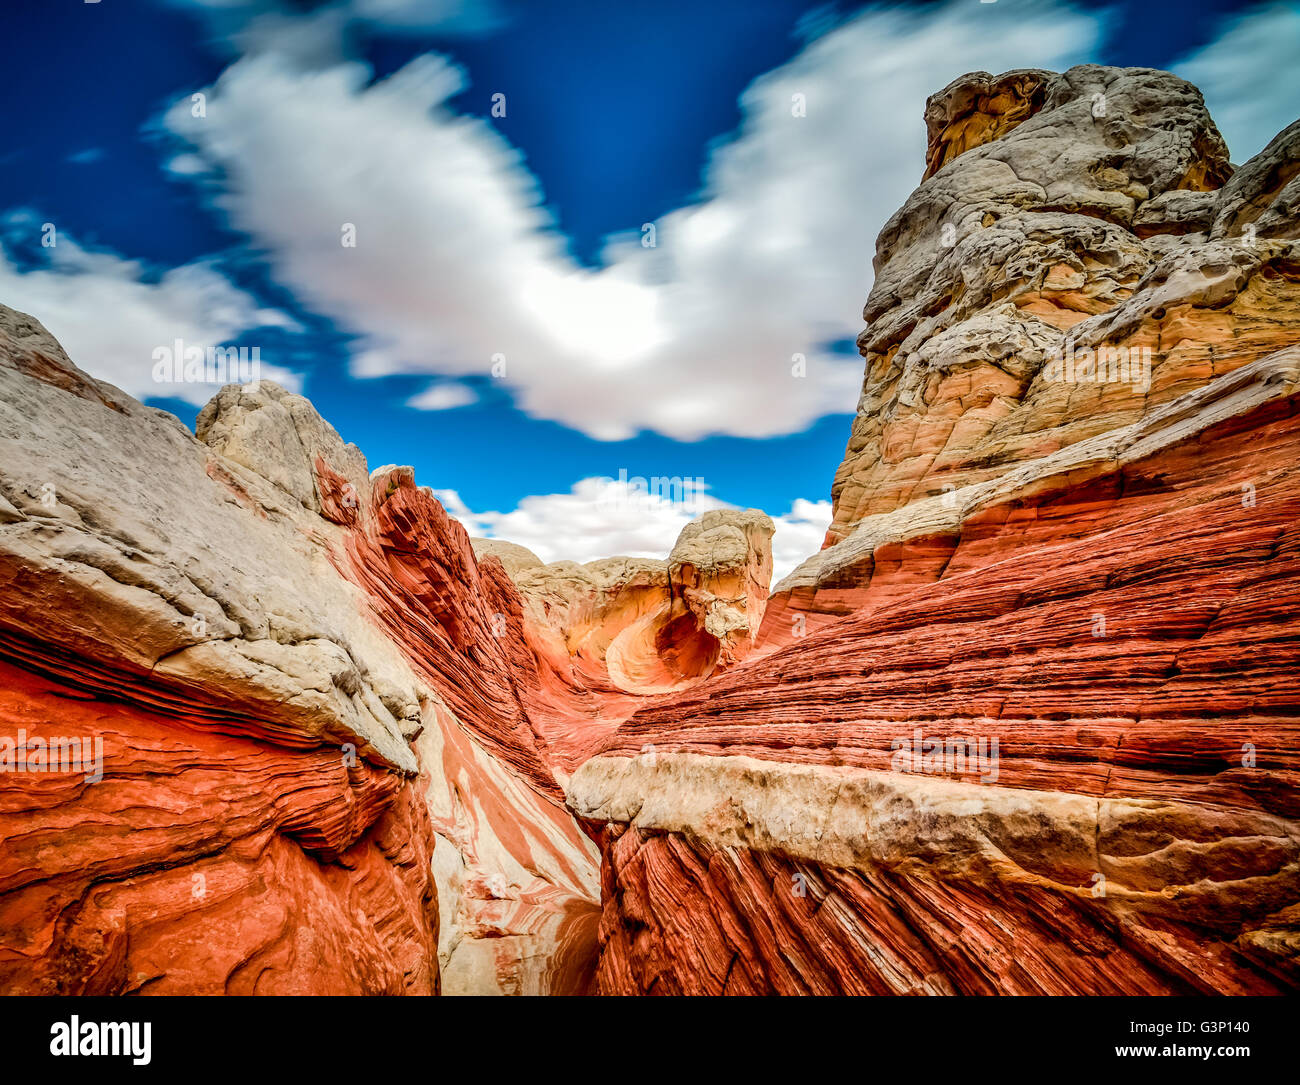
{"x": 319, "y": 772}
{"x": 1029, "y": 722}
{"x": 612, "y": 632}
{"x": 1026, "y": 237}
{"x": 330, "y": 732}
{"x": 1076, "y": 230}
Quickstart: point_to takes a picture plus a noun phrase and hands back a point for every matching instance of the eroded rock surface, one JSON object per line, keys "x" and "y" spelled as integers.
{"x": 1139, "y": 675}
{"x": 1094, "y": 209}
{"x": 608, "y": 634}
{"x": 319, "y": 772}
{"x": 1029, "y": 722}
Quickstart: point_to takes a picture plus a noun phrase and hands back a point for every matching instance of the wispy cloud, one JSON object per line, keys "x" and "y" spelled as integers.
{"x": 443, "y": 397}
{"x": 111, "y": 314}
{"x": 1250, "y": 76}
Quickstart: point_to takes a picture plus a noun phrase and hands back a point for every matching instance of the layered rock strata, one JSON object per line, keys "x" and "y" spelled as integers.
{"x": 270, "y": 722}
{"x": 1029, "y": 722}
{"x": 1079, "y": 254}
{"x": 1058, "y": 770}
{"x": 608, "y": 634}
{"x": 317, "y": 771}
{"x": 1095, "y": 209}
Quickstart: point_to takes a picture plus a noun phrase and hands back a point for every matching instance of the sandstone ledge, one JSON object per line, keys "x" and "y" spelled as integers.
{"x": 730, "y": 875}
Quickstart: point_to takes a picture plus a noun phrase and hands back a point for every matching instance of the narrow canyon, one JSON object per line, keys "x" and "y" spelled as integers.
{"x": 1028, "y": 723}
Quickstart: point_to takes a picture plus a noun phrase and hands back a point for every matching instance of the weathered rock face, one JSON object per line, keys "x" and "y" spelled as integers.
{"x": 1068, "y": 265}
{"x": 1029, "y": 722}
{"x": 1081, "y": 210}
{"x": 1113, "y": 730}
{"x": 608, "y": 634}
{"x": 330, "y": 732}
{"x": 979, "y": 108}
{"x": 721, "y": 567}
{"x": 318, "y": 773}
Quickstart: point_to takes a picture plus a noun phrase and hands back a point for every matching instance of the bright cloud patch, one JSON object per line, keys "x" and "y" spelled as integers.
{"x": 443, "y": 397}
{"x": 601, "y": 518}
{"x": 457, "y": 270}
{"x": 799, "y": 535}
{"x": 112, "y": 318}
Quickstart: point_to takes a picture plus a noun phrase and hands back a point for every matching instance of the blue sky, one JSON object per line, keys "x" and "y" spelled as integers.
{"x": 523, "y": 237}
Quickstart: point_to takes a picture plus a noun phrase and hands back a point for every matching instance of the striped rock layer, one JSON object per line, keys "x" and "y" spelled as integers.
{"x": 320, "y": 768}
{"x": 1027, "y": 723}
{"x": 1030, "y": 721}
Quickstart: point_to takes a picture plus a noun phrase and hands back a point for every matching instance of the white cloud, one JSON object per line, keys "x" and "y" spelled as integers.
{"x": 110, "y": 317}
{"x": 443, "y": 397}
{"x": 601, "y": 518}
{"x": 187, "y": 165}
{"x": 1250, "y": 76}
{"x": 799, "y": 535}
{"x": 598, "y": 518}
{"x": 456, "y": 263}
